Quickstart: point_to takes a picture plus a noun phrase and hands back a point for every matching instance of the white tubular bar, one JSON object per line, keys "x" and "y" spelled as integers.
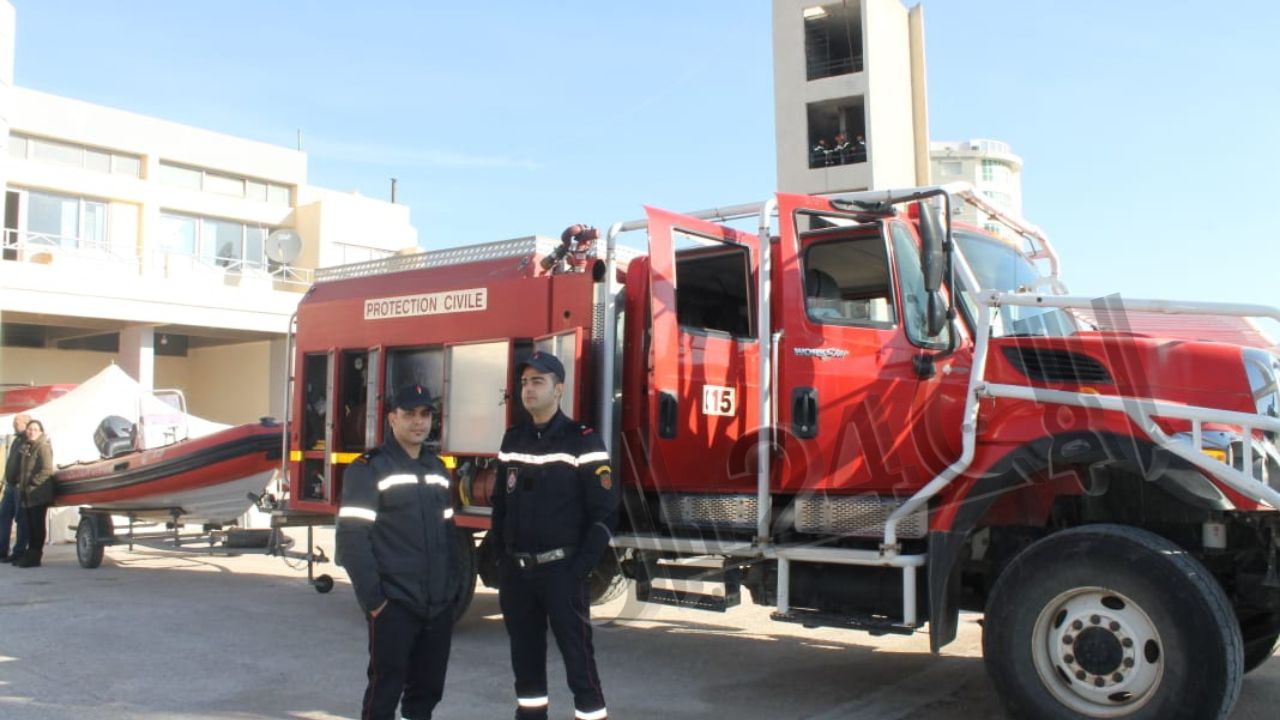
{"x": 1170, "y": 307}
{"x": 1142, "y": 410}
{"x": 842, "y": 556}
{"x": 608, "y": 346}
{"x": 783, "y": 601}
{"x": 693, "y": 546}
{"x": 968, "y": 432}
{"x": 764, "y": 331}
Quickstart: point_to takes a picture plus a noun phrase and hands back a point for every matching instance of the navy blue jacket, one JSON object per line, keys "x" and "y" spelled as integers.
{"x": 396, "y": 532}
{"x": 555, "y": 489}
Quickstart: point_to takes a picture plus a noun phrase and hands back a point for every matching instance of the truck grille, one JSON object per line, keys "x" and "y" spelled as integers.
{"x": 709, "y": 511}
{"x": 854, "y": 515}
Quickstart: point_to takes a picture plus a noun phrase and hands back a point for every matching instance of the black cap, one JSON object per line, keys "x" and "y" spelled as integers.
{"x": 543, "y": 363}
{"x": 409, "y": 397}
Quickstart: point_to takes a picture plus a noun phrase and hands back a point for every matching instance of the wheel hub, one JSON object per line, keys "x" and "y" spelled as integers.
{"x": 1098, "y": 652}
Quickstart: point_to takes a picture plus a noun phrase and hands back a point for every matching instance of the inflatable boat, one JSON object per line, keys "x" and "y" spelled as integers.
{"x": 209, "y": 478}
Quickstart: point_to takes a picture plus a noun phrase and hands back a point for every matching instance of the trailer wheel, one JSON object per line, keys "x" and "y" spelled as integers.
{"x": 89, "y": 547}
{"x": 1258, "y": 651}
{"x": 465, "y": 551}
{"x": 322, "y": 584}
{"x": 1106, "y": 621}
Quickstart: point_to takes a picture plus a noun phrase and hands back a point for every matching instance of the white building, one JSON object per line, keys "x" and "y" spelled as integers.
{"x": 990, "y": 166}
{"x": 854, "y": 68}
{"x": 143, "y": 242}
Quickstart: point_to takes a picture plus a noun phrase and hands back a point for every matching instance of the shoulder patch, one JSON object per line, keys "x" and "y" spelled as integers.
{"x": 365, "y": 457}
{"x": 586, "y": 430}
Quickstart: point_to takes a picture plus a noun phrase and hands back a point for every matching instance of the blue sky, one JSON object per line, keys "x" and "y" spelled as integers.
{"x": 1149, "y": 130}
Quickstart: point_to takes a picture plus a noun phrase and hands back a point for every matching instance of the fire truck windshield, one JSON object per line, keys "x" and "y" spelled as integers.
{"x": 998, "y": 265}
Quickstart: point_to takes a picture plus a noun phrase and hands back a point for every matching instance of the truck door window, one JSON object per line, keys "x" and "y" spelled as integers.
{"x": 714, "y": 290}
{"x": 847, "y": 282}
{"x": 914, "y": 300}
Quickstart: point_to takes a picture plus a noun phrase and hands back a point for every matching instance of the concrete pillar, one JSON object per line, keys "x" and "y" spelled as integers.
{"x": 138, "y": 355}
{"x": 278, "y": 370}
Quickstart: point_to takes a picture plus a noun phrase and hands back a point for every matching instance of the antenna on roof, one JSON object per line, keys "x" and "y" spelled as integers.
{"x": 283, "y": 246}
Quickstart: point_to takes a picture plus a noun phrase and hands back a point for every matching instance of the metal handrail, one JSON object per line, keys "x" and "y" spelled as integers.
{"x": 23, "y": 242}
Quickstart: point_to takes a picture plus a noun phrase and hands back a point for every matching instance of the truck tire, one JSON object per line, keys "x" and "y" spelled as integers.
{"x": 1258, "y": 651}
{"x": 607, "y": 581}
{"x": 1108, "y": 621}
{"x": 466, "y": 559}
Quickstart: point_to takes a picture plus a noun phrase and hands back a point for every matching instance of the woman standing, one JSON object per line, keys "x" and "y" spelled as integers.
{"x": 36, "y": 490}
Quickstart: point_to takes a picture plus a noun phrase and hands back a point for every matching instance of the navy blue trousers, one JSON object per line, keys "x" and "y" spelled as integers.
{"x": 531, "y": 600}
{"x": 408, "y": 656}
{"x": 11, "y": 514}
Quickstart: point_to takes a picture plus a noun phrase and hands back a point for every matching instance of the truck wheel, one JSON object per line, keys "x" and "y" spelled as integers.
{"x": 1107, "y": 621}
{"x": 89, "y": 548}
{"x": 466, "y": 558}
{"x": 1258, "y": 651}
{"x": 607, "y": 581}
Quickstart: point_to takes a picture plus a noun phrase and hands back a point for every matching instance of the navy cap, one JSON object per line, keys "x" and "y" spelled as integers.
{"x": 543, "y": 363}
{"x": 409, "y": 397}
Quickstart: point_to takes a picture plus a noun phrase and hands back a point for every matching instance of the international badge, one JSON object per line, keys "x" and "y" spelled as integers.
{"x": 511, "y": 479}
{"x": 606, "y": 477}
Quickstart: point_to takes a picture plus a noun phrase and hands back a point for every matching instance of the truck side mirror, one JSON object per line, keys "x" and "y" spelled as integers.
{"x": 933, "y": 262}
{"x": 932, "y": 255}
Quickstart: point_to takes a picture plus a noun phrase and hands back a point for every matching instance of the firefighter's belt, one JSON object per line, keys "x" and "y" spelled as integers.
{"x": 525, "y": 561}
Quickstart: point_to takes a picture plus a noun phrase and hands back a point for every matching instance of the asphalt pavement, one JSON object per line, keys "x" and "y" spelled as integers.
{"x": 155, "y": 634}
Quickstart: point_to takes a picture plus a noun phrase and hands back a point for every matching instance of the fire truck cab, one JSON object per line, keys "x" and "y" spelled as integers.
{"x": 863, "y": 415}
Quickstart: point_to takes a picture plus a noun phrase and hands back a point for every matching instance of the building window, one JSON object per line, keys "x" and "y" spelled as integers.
{"x": 837, "y": 133}
{"x": 65, "y": 221}
{"x": 995, "y": 171}
{"x": 194, "y": 178}
{"x": 832, "y": 41}
{"x": 224, "y": 243}
{"x": 25, "y": 147}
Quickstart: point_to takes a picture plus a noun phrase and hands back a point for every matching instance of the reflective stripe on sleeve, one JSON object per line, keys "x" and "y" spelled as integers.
{"x": 448, "y": 513}
{"x": 599, "y": 456}
{"x": 439, "y": 480}
{"x": 391, "y": 481}
{"x": 532, "y": 702}
{"x": 357, "y": 513}
{"x": 600, "y": 714}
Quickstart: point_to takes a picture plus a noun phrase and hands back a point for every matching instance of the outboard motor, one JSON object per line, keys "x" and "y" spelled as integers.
{"x": 114, "y": 436}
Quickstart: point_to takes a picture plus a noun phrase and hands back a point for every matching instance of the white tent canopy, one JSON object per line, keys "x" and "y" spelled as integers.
{"x": 71, "y": 420}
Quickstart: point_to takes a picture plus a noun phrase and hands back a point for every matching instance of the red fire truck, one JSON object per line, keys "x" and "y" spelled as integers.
{"x": 866, "y": 417}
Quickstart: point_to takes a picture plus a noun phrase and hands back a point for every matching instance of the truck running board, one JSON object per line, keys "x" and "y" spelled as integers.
{"x": 815, "y": 619}
{"x": 707, "y": 571}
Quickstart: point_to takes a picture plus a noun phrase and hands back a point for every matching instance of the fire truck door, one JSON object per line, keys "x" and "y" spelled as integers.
{"x": 703, "y": 354}
{"x": 475, "y": 412}
{"x": 852, "y": 403}
{"x": 373, "y": 397}
{"x": 565, "y": 346}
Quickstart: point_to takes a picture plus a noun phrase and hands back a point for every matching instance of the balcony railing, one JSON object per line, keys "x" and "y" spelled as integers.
{"x": 59, "y": 250}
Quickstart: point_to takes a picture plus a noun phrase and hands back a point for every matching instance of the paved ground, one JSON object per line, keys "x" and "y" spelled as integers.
{"x": 156, "y": 635}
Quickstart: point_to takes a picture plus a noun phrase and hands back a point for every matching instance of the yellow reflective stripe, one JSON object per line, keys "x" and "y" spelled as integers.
{"x": 295, "y": 456}
{"x": 343, "y": 458}
{"x": 357, "y": 513}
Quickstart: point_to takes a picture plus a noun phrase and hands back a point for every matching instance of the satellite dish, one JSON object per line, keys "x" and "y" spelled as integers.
{"x": 283, "y": 246}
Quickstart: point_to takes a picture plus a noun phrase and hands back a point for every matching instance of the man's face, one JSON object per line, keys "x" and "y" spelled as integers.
{"x": 20, "y": 424}
{"x": 410, "y": 427}
{"x": 540, "y": 392}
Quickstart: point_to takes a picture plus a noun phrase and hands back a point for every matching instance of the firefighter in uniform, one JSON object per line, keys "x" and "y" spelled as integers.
{"x": 396, "y": 539}
{"x": 554, "y": 510}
